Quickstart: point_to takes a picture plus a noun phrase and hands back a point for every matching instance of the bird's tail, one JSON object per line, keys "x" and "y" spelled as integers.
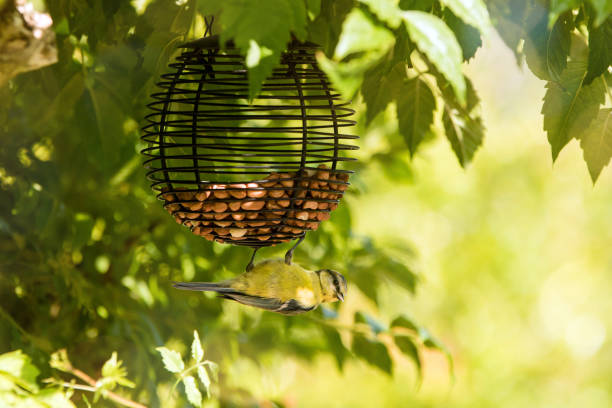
{"x": 204, "y": 286}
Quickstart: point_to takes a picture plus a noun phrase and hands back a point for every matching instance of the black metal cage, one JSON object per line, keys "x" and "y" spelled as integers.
{"x": 247, "y": 172}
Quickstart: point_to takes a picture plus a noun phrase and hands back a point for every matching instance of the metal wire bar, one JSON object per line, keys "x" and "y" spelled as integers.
{"x": 247, "y": 172}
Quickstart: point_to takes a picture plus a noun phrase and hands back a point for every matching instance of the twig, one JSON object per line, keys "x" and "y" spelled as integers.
{"x": 80, "y": 387}
{"x": 111, "y": 395}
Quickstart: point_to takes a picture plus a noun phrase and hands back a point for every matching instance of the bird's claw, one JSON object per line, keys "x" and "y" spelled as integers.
{"x": 289, "y": 257}
{"x": 289, "y": 254}
{"x": 250, "y": 265}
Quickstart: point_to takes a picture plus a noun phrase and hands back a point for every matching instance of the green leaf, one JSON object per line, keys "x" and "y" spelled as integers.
{"x": 468, "y": 36}
{"x": 313, "y": 8}
{"x": 256, "y": 53}
{"x": 464, "y": 130}
{"x": 347, "y": 77}
{"x": 170, "y": 16}
{"x": 54, "y": 398}
{"x": 405, "y": 322}
{"x": 335, "y": 345}
{"x": 600, "y": 50}
{"x": 380, "y": 87}
{"x": 596, "y": 143}
{"x": 387, "y": 10}
{"x": 407, "y": 346}
{"x": 327, "y": 27}
{"x": 214, "y": 369}
{"x": 570, "y": 105}
{"x": 111, "y": 365}
{"x": 546, "y": 51}
{"x": 204, "y": 379}
{"x": 472, "y": 12}
{"x": 193, "y": 393}
{"x": 59, "y": 360}
{"x": 395, "y": 166}
{"x": 509, "y": 20}
{"x": 415, "y": 109}
{"x": 372, "y": 351}
{"x": 422, "y": 5}
{"x": 374, "y": 324}
{"x": 359, "y": 34}
{"x": 432, "y": 343}
{"x": 603, "y": 9}
{"x": 438, "y": 42}
{"x": 197, "y": 352}
{"x": 19, "y": 366}
{"x": 114, "y": 373}
{"x": 268, "y": 23}
{"x": 172, "y": 360}
{"x": 558, "y": 7}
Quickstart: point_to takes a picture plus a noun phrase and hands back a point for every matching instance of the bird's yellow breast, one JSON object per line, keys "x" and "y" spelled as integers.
{"x": 276, "y": 279}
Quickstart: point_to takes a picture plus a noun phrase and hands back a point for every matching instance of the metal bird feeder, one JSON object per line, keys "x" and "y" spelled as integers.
{"x": 253, "y": 173}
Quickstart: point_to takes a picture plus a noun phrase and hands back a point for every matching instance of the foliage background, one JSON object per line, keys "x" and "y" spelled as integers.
{"x": 512, "y": 254}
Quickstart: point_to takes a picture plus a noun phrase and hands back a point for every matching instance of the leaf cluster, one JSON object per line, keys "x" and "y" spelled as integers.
{"x": 174, "y": 363}
{"x": 88, "y": 253}
{"x": 19, "y": 386}
{"x": 567, "y": 45}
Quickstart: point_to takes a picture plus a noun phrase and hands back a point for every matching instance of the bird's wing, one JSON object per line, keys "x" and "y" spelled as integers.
{"x": 289, "y": 307}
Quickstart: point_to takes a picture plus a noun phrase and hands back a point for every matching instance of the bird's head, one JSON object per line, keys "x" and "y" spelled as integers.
{"x": 333, "y": 285}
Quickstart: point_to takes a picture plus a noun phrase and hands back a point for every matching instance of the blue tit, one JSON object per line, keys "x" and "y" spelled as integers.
{"x": 279, "y": 287}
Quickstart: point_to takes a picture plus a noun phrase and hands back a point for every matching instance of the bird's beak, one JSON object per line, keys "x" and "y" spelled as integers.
{"x": 340, "y": 296}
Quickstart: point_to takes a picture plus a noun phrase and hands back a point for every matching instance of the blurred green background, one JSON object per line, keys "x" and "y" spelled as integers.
{"x": 516, "y": 262}
{"x": 507, "y": 263}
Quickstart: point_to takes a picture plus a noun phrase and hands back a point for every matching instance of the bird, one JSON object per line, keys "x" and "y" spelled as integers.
{"x": 278, "y": 286}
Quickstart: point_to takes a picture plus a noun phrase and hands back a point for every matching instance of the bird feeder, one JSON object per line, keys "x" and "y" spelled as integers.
{"x": 247, "y": 172}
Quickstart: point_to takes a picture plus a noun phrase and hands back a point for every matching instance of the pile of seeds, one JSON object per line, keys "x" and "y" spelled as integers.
{"x": 276, "y": 209}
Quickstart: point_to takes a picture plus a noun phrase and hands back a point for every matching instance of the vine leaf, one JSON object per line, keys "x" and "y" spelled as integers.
{"x": 197, "y": 352}
{"x": 596, "y": 143}
{"x": 113, "y": 373}
{"x": 472, "y": 12}
{"x": 326, "y": 29}
{"x": 464, "y": 133}
{"x": 463, "y": 126}
{"x": 347, "y": 77}
{"x": 313, "y": 8}
{"x": 387, "y": 11}
{"x": 405, "y": 322}
{"x": 600, "y": 50}
{"x": 438, "y": 42}
{"x": 172, "y": 360}
{"x": 379, "y": 88}
{"x": 204, "y": 379}
{"x": 373, "y": 351}
{"x": 269, "y": 23}
{"x": 570, "y": 105}
{"x": 603, "y": 8}
{"x": 415, "y": 111}
{"x": 558, "y": 7}
{"x": 407, "y": 346}
{"x": 509, "y": 17}
{"x": 546, "y": 50}
{"x": 334, "y": 342}
{"x": 467, "y": 35}
{"x": 19, "y": 366}
{"x": 359, "y": 33}
{"x": 194, "y": 396}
